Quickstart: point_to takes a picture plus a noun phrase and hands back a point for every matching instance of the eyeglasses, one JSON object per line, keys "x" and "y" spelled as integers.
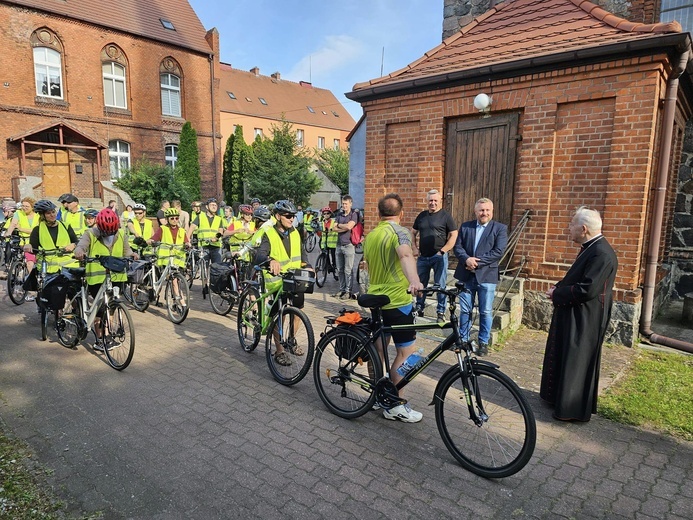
{"x": 139, "y": 212}
{"x": 287, "y": 215}
{"x": 173, "y": 218}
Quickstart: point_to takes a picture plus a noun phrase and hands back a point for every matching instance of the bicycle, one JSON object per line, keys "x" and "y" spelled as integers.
{"x": 51, "y": 289}
{"x": 197, "y": 266}
{"x": 272, "y": 314}
{"x": 16, "y": 273}
{"x": 482, "y": 416}
{"x": 225, "y": 279}
{"x": 312, "y": 235}
{"x": 78, "y": 316}
{"x": 148, "y": 284}
{"x": 324, "y": 265}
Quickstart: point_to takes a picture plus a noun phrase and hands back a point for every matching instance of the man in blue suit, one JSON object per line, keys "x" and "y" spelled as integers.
{"x": 479, "y": 246}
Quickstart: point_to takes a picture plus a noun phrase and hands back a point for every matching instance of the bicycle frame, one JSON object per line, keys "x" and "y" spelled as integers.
{"x": 106, "y": 292}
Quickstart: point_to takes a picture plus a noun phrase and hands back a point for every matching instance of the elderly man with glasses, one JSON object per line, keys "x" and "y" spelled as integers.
{"x": 210, "y": 227}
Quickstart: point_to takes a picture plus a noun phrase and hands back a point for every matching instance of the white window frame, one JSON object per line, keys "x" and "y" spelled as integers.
{"x": 300, "y": 137}
{"x": 119, "y": 157}
{"x": 321, "y": 142}
{"x": 336, "y": 144}
{"x": 171, "y": 154}
{"x": 170, "y": 92}
{"x": 258, "y": 131}
{"x": 44, "y": 66}
{"x": 110, "y": 82}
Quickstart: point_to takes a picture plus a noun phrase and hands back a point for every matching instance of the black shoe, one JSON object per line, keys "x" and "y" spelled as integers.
{"x": 419, "y": 311}
{"x": 441, "y": 317}
{"x": 483, "y": 349}
{"x": 205, "y": 292}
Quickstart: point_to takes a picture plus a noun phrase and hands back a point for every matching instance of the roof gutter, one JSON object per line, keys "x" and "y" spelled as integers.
{"x": 658, "y": 210}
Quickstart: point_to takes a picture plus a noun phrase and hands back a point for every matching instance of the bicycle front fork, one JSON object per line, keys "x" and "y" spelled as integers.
{"x": 472, "y": 393}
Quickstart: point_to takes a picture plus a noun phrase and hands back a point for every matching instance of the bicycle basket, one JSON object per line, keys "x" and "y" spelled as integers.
{"x": 299, "y": 281}
{"x": 114, "y": 263}
{"x": 219, "y": 277}
{"x": 137, "y": 271}
{"x": 54, "y": 291}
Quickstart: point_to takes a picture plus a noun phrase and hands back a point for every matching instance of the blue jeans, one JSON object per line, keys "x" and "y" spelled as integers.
{"x": 439, "y": 264}
{"x": 485, "y": 293}
{"x": 345, "y": 255}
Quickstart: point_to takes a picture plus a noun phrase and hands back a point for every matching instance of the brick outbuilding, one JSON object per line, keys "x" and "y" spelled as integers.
{"x": 586, "y": 109}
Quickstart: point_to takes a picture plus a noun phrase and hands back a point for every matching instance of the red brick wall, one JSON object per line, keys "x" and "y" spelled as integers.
{"x": 142, "y": 125}
{"x": 589, "y": 137}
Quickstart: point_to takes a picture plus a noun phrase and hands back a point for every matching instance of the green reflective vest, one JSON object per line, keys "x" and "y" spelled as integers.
{"x": 96, "y": 274}
{"x": 165, "y": 250}
{"x": 54, "y": 262}
{"x": 278, "y": 253}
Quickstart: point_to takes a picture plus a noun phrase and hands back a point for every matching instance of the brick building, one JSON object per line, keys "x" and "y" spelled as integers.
{"x": 88, "y": 90}
{"x": 586, "y": 108}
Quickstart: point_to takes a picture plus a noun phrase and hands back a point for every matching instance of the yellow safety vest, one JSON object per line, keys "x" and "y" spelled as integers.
{"x": 23, "y": 222}
{"x": 54, "y": 262}
{"x": 96, "y": 274}
{"x": 165, "y": 250}
{"x": 237, "y": 239}
{"x": 76, "y": 221}
{"x": 329, "y": 236}
{"x": 207, "y": 230}
{"x": 278, "y": 253}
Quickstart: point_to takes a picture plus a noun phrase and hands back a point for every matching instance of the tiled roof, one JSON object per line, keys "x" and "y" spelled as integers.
{"x": 139, "y": 17}
{"x": 520, "y": 29}
{"x": 282, "y": 97}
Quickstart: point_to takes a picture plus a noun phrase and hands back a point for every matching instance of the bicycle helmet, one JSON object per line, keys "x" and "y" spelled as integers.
{"x": 107, "y": 222}
{"x": 285, "y": 206}
{"x": 246, "y": 209}
{"x": 262, "y": 213}
{"x": 91, "y": 213}
{"x": 43, "y": 205}
{"x": 171, "y": 212}
{"x": 326, "y": 209}
{"x": 139, "y": 207}
{"x": 211, "y": 200}
{"x": 18, "y": 206}
{"x": 62, "y": 198}
{"x": 254, "y": 200}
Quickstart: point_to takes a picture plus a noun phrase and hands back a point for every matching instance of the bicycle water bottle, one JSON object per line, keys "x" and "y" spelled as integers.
{"x": 412, "y": 361}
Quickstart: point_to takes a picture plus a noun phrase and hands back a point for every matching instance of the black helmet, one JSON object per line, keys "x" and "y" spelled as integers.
{"x": 43, "y": 205}
{"x": 62, "y": 198}
{"x": 91, "y": 213}
{"x": 254, "y": 200}
{"x": 262, "y": 213}
{"x": 284, "y": 206}
{"x": 211, "y": 200}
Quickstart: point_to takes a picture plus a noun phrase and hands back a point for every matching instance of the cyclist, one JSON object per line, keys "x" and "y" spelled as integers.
{"x": 240, "y": 230}
{"x": 281, "y": 244}
{"x": 90, "y": 217}
{"x": 169, "y": 235}
{"x": 25, "y": 220}
{"x": 209, "y": 227}
{"x": 255, "y": 203}
{"x": 140, "y": 226}
{"x": 261, "y": 219}
{"x": 328, "y": 240}
{"x": 62, "y": 210}
{"x": 51, "y": 234}
{"x": 74, "y": 216}
{"x": 104, "y": 239}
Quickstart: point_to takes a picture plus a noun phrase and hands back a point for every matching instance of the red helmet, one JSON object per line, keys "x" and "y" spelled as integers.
{"x": 326, "y": 209}
{"x": 246, "y": 208}
{"x": 107, "y": 222}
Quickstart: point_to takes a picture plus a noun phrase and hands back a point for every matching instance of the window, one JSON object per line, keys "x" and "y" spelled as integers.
{"x": 335, "y": 114}
{"x": 299, "y": 137}
{"x": 119, "y": 154}
{"x": 258, "y": 132}
{"x": 324, "y": 113}
{"x": 336, "y": 144}
{"x": 231, "y": 95}
{"x": 114, "y": 85}
{"x": 48, "y": 72}
{"x": 248, "y": 100}
{"x": 171, "y": 152}
{"x": 321, "y": 143}
{"x": 262, "y": 100}
{"x": 167, "y": 24}
{"x": 170, "y": 95}
{"x": 310, "y": 109}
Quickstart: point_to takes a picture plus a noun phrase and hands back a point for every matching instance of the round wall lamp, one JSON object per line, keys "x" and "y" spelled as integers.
{"x": 482, "y": 103}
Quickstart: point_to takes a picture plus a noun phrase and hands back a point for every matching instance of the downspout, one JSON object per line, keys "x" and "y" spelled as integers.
{"x": 214, "y": 126}
{"x": 658, "y": 211}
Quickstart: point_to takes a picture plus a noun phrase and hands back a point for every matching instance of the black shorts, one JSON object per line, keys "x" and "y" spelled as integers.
{"x": 401, "y": 316}
{"x": 298, "y": 301}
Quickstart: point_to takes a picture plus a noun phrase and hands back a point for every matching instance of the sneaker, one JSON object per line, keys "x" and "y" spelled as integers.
{"x": 344, "y": 296}
{"x": 338, "y": 295}
{"x": 483, "y": 349}
{"x": 376, "y": 407}
{"x": 352, "y": 296}
{"x": 29, "y": 298}
{"x": 419, "y": 311}
{"x": 98, "y": 345}
{"x": 403, "y": 413}
{"x": 441, "y": 317}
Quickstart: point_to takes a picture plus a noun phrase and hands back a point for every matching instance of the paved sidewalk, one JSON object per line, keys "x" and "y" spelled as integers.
{"x": 197, "y": 428}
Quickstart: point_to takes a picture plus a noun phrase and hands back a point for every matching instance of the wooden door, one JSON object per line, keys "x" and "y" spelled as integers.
{"x": 56, "y": 172}
{"x": 480, "y": 162}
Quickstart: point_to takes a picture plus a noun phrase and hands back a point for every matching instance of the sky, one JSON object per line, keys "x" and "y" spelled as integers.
{"x": 332, "y": 44}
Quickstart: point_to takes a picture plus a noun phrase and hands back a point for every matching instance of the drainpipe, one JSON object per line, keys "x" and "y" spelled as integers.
{"x": 214, "y": 125}
{"x": 658, "y": 212}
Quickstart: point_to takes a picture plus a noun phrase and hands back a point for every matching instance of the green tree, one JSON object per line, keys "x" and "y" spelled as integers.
{"x": 188, "y": 164}
{"x": 148, "y": 183}
{"x": 335, "y": 165}
{"x": 235, "y": 164}
{"x": 279, "y": 169}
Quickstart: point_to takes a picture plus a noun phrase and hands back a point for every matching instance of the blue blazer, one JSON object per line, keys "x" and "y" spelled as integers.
{"x": 489, "y": 251}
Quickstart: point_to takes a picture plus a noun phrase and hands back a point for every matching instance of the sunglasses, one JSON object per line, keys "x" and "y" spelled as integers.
{"x": 287, "y": 215}
{"x": 173, "y": 218}
{"x": 139, "y": 212}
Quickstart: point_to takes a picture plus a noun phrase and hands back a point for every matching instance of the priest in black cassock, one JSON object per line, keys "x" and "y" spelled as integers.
{"x": 582, "y": 310}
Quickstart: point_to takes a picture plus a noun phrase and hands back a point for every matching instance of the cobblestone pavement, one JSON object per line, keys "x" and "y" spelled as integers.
{"x": 197, "y": 428}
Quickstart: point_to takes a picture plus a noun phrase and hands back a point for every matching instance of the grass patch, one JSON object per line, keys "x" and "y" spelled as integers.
{"x": 656, "y": 393}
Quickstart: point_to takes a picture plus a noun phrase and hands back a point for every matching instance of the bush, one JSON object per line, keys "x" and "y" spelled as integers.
{"x": 149, "y": 184}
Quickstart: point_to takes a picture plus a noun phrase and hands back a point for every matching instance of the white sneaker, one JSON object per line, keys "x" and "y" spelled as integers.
{"x": 403, "y": 413}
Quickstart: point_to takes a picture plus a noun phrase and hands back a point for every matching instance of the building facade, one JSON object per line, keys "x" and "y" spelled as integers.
{"x": 87, "y": 92}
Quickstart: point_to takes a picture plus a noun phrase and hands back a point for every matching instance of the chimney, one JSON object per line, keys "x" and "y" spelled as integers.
{"x": 458, "y": 13}
{"x": 305, "y": 84}
{"x": 255, "y": 70}
{"x": 277, "y": 76}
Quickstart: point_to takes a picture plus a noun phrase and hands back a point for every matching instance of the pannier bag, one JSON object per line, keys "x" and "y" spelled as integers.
{"x": 219, "y": 275}
{"x": 299, "y": 281}
{"x": 138, "y": 271}
{"x": 54, "y": 291}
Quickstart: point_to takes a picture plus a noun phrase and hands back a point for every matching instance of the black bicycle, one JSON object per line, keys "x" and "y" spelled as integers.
{"x": 482, "y": 416}
{"x": 323, "y": 266}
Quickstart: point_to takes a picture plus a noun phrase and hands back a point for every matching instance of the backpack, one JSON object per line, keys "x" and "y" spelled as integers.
{"x": 357, "y": 230}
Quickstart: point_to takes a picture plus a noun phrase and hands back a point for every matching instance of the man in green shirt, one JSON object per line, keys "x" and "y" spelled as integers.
{"x": 392, "y": 271}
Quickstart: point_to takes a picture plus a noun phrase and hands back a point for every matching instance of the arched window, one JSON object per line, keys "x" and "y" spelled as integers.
{"x": 170, "y": 81}
{"x": 48, "y": 67}
{"x": 171, "y": 153}
{"x": 119, "y": 155}
{"x": 113, "y": 69}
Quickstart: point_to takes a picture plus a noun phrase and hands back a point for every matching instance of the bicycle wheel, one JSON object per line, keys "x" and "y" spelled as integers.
{"x": 294, "y": 336}
{"x": 321, "y": 270}
{"x": 223, "y": 302}
{"x": 312, "y": 242}
{"x": 15, "y": 280}
{"x": 68, "y": 326}
{"x": 139, "y": 293}
{"x": 43, "y": 315}
{"x": 177, "y": 301}
{"x": 118, "y": 335}
{"x": 345, "y": 370}
{"x": 249, "y": 317}
{"x": 504, "y": 442}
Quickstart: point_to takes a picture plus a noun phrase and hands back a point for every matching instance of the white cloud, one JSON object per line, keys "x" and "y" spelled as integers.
{"x": 336, "y": 53}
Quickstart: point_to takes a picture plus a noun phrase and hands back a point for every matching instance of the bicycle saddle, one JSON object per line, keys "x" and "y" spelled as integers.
{"x": 373, "y": 301}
